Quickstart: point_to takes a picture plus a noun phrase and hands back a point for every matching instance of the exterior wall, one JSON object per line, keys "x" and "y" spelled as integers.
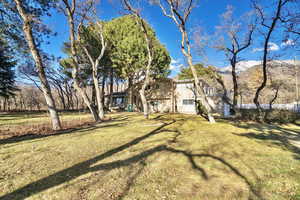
{"x": 161, "y": 106}
{"x": 185, "y": 98}
{"x": 161, "y": 96}
{"x": 167, "y": 95}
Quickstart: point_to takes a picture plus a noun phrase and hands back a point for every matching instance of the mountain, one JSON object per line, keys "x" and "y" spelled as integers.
{"x": 244, "y": 65}
{"x": 250, "y": 77}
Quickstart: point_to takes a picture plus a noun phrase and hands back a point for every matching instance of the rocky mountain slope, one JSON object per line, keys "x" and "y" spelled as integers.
{"x": 282, "y": 73}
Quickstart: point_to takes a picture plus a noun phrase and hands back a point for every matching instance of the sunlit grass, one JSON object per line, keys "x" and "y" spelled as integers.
{"x": 167, "y": 157}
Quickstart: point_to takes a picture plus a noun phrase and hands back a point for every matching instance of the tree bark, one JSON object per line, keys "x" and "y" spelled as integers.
{"x": 271, "y": 104}
{"x": 235, "y": 83}
{"x": 70, "y": 14}
{"x": 200, "y": 91}
{"x": 61, "y": 95}
{"x": 141, "y": 23}
{"x": 111, "y": 88}
{"x": 4, "y": 104}
{"x": 265, "y": 55}
{"x": 94, "y": 102}
{"x": 99, "y": 98}
{"x": 130, "y": 92}
{"x": 103, "y": 87}
{"x": 56, "y": 124}
{"x": 95, "y": 66}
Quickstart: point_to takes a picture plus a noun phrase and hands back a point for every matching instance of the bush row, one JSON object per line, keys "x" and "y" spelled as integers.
{"x": 275, "y": 116}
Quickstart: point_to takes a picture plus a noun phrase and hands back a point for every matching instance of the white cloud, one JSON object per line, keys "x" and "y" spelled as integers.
{"x": 257, "y": 49}
{"x": 175, "y": 64}
{"x": 272, "y": 47}
{"x": 288, "y": 42}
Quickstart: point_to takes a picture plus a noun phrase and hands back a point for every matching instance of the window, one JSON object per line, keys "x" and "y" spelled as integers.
{"x": 188, "y": 101}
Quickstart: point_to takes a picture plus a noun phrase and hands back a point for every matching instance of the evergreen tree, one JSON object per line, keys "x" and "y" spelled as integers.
{"x": 7, "y": 73}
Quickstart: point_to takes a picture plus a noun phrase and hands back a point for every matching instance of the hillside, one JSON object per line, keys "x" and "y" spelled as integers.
{"x": 249, "y": 78}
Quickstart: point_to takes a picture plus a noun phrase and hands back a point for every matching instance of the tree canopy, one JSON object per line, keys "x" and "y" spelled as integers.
{"x": 7, "y": 72}
{"x": 127, "y": 49}
{"x": 202, "y": 72}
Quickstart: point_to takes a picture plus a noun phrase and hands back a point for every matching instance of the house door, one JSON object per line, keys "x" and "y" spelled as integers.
{"x": 188, "y": 106}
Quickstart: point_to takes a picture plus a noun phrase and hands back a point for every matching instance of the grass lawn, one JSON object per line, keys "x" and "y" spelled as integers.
{"x": 167, "y": 157}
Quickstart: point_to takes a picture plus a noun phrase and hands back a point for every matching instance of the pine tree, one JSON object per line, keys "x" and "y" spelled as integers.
{"x": 7, "y": 73}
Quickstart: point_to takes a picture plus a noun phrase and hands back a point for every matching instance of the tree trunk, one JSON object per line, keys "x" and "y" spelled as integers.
{"x": 117, "y": 86}
{"x": 265, "y": 59}
{"x": 235, "y": 83}
{"x": 271, "y": 104}
{"x": 140, "y": 21}
{"x": 75, "y": 70}
{"x": 69, "y": 95}
{"x": 61, "y": 96}
{"x": 77, "y": 100}
{"x": 224, "y": 96}
{"x": 103, "y": 87}
{"x": 99, "y": 95}
{"x": 94, "y": 95}
{"x": 95, "y": 67}
{"x": 144, "y": 102}
{"x": 111, "y": 88}
{"x": 56, "y": 125}
{"x": 4, "y": 104}
{"x": 199, "y": 89}
{"x": 130, "y": 92}
{"x": 86, "y": 99}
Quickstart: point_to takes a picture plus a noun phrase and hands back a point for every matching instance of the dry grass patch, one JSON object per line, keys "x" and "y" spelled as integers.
{"x": 18, "y": 124}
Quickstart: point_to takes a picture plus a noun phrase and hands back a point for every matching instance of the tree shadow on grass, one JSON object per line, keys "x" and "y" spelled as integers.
{"x": 191, "y": 158}
{"x": 82, "y": 168}
{"x": 132, "y": 177}
{"x": 88, "y": 166}
{"x": 287, "y": 139}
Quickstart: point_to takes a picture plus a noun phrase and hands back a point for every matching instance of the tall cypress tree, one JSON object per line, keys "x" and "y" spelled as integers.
{"x": 7, "y": 72}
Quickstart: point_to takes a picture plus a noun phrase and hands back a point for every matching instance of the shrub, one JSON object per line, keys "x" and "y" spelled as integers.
{"x": 282, "y": 116}
{"x": 275, "y": 116}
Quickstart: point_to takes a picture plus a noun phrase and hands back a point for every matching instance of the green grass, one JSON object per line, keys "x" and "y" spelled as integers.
{"x": 167, "y": 157}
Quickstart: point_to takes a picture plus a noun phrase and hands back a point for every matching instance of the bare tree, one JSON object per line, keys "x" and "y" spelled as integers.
{"x": 240, "y": 35}
{"x": 95, "y": 64}
{"x": 146, "y": 82}
{"x": 291, "y": 23}
{"x": 72, "y": 10}
{"x": 179, "y": 11}
{"x": 28, "y": 20}
{"x": 269, "y": 24}
{"x": 291, "y": 18}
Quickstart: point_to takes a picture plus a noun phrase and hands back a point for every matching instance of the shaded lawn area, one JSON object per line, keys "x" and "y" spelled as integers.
{"x": 167, "y": 157}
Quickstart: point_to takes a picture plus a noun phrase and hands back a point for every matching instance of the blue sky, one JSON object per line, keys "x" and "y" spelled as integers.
{"x": 206, "y": 15}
